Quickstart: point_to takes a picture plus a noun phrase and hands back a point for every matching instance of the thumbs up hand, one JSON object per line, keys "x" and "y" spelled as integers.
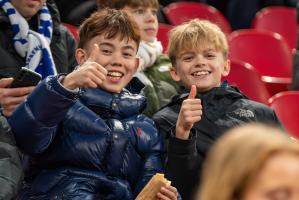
{"x": 191, "y": 111}
{"x": 90, "y": 74}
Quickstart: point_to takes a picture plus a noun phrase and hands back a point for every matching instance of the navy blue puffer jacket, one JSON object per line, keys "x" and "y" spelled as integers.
{"x": 94, "y": 147}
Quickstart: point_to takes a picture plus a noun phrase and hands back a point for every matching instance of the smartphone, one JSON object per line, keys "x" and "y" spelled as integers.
{"x": 25, "y": 78}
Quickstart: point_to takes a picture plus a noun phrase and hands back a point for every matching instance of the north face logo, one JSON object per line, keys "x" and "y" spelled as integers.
{"x": 244, "y": 113}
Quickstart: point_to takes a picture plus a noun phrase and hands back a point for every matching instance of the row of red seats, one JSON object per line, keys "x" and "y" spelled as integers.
{"x": 285, "y": 103}
{"x": 278, "y": 19}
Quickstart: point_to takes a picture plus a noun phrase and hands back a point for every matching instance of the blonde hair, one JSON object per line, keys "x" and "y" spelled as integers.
{"x": 235, "y": 160}
{"x": 193, "y": 34}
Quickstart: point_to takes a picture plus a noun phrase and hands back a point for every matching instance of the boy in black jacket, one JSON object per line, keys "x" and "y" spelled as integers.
{"x": 205, "y": 107}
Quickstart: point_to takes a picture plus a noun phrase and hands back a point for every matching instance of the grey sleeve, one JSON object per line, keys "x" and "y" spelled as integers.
{"x": 10, "y": 166}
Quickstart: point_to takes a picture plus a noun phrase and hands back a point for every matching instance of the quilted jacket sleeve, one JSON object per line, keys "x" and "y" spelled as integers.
{"x": 35, "y": 121}
{"x": 10, "y": 166}
{"x": 151, "y": 145}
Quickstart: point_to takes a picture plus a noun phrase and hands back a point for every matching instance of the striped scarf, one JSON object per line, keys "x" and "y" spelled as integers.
{"x": 31, "y": 45}
{"x": 149, "y": 52}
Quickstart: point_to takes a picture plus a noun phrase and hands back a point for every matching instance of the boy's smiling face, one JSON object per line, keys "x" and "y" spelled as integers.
{"x": 202, "y": 67}
{"x": 118, "y": 56}
{"x": 146, "y": 18}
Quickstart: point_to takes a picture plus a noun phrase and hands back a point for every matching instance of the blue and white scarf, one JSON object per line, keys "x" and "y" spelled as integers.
{"x": 34, "y": 46}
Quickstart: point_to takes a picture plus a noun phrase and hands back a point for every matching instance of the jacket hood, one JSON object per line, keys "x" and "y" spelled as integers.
{"x": 224, "y": 95}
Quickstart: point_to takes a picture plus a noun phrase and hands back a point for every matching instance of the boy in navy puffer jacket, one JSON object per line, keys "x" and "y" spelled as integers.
{"x": 83, "y": 132}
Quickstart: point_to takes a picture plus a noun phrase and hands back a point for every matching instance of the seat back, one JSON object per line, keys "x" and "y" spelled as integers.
{"x": 179, "y": 12}
{"x": 279, "y": 19}
{"x": 286, "y": 107}
{"x": 268, "y": 52}
{"x": 73, "y": 29}
{"x": 247, "y": 79}
{"x": 163, "y": 35}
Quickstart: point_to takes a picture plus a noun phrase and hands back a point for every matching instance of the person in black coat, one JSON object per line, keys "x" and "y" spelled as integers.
{"x": 11, "y": 172}
{"x": 62, "y": 46}
{"x": 205, "y": 107}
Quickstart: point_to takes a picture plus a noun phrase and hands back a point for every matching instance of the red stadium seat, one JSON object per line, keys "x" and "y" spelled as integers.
{"x": 278, "y": 19}
{"x": 179, "y": 12}
{"x": 286, "y": 107}
{"x": 163, "y": 35}
{"x": 248, "y": 80}
{"x": 73, "y": 29}
{"x": 268, "y": 52}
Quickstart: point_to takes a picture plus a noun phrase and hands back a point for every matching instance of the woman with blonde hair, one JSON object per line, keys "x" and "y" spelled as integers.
{"x": 252, "y": 162}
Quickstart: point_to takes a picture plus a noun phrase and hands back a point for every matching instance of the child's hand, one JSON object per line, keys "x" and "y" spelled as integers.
{"x": 90, "y": 74}
{"x": 190, "y": 113}
{"x": 167, "y": 193}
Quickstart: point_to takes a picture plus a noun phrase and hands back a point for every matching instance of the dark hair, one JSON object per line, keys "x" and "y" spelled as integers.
{"x": 120, "y": 4}
{"x": 110, "y": 23}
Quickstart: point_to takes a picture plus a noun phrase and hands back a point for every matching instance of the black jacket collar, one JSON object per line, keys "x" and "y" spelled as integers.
{"x": 215, "y": 101}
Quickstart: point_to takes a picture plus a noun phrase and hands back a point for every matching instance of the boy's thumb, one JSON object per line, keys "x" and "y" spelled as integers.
{"x": 94, "y": 52}
{"x": 193, "y": 92}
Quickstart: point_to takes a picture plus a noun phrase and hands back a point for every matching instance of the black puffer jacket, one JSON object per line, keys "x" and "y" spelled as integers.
{"x": 223, "y": 107}
{"x": 62, "y": 45}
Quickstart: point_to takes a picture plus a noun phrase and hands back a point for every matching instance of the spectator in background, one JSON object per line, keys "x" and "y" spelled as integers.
{"x": 295, "y": 79}
{"x": 74, "y": 13}
{"x": 252, "y": 162}
{"x": 10, "y": 166}
{"x": 154, "y": 68}
{"x": 205, "y": 107}
{"x": 166, "y": 2}
{"x": 20, "y": 20}
{"x": 83, "y": 132}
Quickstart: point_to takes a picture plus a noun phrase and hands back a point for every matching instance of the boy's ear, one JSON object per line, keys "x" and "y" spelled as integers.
{"x": 137, "y": 63}
{"x": 226, "y": 69}
{"x": 174, "y": 74}
{"x": 80, "y": 56}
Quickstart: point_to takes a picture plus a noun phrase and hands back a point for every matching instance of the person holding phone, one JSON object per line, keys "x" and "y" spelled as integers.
{"x": 39, "y": 43}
